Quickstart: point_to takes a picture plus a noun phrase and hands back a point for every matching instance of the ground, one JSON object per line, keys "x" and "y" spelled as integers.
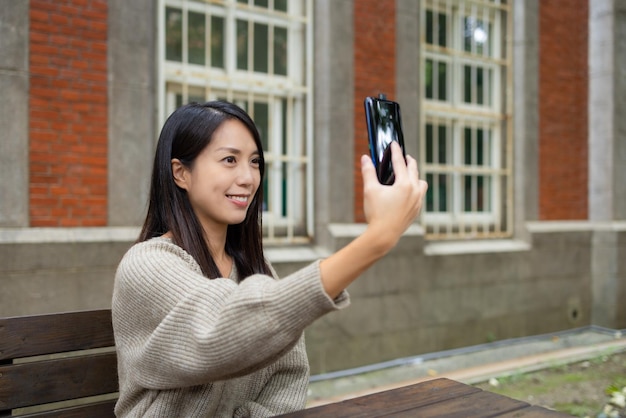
{"x": 579, "y": 389}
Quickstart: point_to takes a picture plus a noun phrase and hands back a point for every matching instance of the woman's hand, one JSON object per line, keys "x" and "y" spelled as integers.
{"x": 390, "y": 210}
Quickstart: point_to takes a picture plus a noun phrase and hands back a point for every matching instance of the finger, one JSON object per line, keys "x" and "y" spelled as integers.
{"x": 399, "y": 163}
{"x": 411, "y": 165}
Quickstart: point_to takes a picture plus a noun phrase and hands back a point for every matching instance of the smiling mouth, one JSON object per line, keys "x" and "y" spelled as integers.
{"x": 242, "y": 199}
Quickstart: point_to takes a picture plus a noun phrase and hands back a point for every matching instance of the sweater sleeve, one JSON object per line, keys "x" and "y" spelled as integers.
{"x": 175, "y": 328}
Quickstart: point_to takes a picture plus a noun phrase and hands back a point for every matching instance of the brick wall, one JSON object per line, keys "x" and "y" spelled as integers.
{"x": 374, "y": 73}
{"x": 68, "y": 113}
{"x": 563, "y": 86}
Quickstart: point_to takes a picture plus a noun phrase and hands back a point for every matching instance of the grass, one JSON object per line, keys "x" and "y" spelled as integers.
{"x": 578, "y": 389}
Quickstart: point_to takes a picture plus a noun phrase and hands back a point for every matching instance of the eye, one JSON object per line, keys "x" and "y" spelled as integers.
{"x": 256, "y": 162}
{"x": 230, "y": 159}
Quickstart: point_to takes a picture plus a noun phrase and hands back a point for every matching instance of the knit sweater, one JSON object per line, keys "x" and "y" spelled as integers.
{"x": 188, "y": 346}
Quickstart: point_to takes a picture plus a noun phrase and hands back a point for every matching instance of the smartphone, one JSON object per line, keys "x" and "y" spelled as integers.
{"x": 384, "y": 126}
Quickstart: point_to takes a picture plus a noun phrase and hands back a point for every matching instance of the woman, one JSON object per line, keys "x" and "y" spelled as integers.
{"x": 203, "y": 327}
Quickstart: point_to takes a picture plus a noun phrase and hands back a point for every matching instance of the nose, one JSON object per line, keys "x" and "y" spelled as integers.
{"x": 246, "y": 175}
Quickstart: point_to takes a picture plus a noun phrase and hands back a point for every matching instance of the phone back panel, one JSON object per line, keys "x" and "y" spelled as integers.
{"x": 384, "y": 125}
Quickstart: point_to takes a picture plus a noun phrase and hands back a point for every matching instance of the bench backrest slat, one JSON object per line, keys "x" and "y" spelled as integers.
{"x": 55, "y": 333}
{"x": 58, "y": 380}
{"x": 50, "y": 358}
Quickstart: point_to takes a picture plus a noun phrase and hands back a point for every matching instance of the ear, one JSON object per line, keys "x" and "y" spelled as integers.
{"x": 179, "y": 172}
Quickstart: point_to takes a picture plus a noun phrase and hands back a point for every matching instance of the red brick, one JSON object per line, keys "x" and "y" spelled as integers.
{"x": 563, "y": 110}
{"x": 39, "y": 15}
{"x": 374, "y": 73}
{"x": 47, "y": 50}
{"x": 68, "y": 55}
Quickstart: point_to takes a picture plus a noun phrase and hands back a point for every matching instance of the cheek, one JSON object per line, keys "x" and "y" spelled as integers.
{"x": 257, "y": 184}
{"x": 257, "y": 179}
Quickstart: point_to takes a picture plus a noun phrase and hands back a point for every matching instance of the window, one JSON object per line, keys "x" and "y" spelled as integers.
{"x": 253, "y": 53}
{"x": 466, "y": 151}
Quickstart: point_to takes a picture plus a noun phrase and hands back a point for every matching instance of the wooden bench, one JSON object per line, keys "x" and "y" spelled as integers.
{"x": 58, "y": 365}
{"x": 64, "y": 366}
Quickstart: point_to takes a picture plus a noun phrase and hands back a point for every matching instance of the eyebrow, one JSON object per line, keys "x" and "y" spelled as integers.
{"x": 236, "y": 151}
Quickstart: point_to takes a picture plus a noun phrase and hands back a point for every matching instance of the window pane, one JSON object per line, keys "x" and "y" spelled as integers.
{"x": 428, "y": 75}
{"x": 261, "y": 3}
{"x": 436, "y": 27}
{"x": 429, "y": 143}
{"x": 173, "y": 34}
{"x": 442, "y": 29}
{"x": 429, "y": 27}
{"x": 280, "y": 5}
{"x": 479, "y": 86}
{"x": 486, "y": 158}
{"x": 487, "y": 87}
{"x": 196, "y": 36}
{"x": 441, "y": 80}
{"x": 480, "y": 149}
{"x": 242, "y": 44}
{"x": 467, "y": 84}
{"x": 437, "y": 194}
{"x": 430, "y": 200}
{"x": 442, "y": 187}
{"x": 476, "y": 36}
{"x": 260, "y": 48}
{"x": 476, "y": 193}
{"x": 485, "y": 193}
{"x": 467, "y": 146}
{"x": 280, "y": 51}
{"x": 217, "y": 41}
{"x": 262, "y": 121}
{"x": 467, "y": 193}
{"x": 440, "y": 140}
{"x": 283, "y": 130}
{"x": 442, "y": 144}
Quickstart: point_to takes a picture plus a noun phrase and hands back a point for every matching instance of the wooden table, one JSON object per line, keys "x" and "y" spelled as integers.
{"x": 433, "y": 398}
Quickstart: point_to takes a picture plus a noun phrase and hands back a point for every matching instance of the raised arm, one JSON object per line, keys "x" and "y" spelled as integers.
{"x": 389, "y": 211}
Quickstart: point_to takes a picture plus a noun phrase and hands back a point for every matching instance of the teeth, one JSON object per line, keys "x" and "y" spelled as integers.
{"x": 239, "y": 198}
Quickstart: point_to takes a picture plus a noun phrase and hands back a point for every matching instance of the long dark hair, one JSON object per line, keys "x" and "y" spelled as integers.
{"x": 184, "y": 135}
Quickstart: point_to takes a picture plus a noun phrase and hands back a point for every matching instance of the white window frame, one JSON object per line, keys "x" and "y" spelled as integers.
{"x": 247, "y": 87}
{"x": 493, "y": 116}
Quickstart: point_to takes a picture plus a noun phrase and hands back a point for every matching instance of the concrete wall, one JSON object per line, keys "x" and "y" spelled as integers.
{"x": 45, "y": 270}
{"x": 420, "y": 300}
{"x": 133, "y": 130}
{"x": 14, "y": 113}
{"x": 607, "y": 154}
{"x": 333, "y": 115}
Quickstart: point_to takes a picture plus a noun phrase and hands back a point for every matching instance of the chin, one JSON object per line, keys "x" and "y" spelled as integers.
{"x": 236, "y": 221}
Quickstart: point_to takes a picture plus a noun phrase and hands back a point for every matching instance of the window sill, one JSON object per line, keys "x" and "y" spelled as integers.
{"x": 42, "y": 235}
{"x": 475, "y": 247}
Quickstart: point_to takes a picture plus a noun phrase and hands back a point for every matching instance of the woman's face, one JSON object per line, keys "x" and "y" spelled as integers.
{"x": 224, "y": 177}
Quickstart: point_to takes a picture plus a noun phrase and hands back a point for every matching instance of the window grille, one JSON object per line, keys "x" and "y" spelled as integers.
{"x": 466, "y": 148}
{"x": 256, "y": 53}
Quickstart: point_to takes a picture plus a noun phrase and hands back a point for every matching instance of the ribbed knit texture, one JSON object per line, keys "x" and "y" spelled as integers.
{"x": 192, "y": 347}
